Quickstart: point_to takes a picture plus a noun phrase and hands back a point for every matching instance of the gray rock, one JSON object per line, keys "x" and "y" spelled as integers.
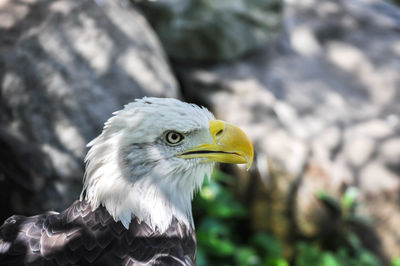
{"x": 65, "y": 66}
{"x": 208, "y": 30}
{"x": 322, "y": 107}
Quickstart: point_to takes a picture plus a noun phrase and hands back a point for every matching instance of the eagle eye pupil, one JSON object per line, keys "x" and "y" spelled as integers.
{"x": 173, "y": 137}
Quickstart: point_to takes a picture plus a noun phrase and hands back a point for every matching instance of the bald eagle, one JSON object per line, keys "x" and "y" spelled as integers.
{"x": 135, "y": 206}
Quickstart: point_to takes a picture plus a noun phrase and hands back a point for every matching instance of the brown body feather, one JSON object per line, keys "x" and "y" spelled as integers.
{"x": 80, "y": 236}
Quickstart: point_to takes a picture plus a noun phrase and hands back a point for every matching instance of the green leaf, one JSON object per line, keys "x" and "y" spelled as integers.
{"x": 214, "y": 236}
{"x": 308, "y": 255}
{"x": 396, "y": 261}
{"x": 276, "y": 262}
{"x": 202, "y": 257}
{"x": 220, "y": 176}
{"x": 246, "y": 256}
{"x": 349, "y": 198}
{"x": 267, "y": 244}
{"x": 328, "y": 259}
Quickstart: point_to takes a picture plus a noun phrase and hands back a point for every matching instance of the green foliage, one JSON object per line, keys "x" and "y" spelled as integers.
{"x": 353, "y": 253}
{"x": 396, "y": 262}
{"x": 311, "y": 254}
{"x": 224, "y": 236}
{"x": 345, "y": 207}
{"x": 222, "y": 233}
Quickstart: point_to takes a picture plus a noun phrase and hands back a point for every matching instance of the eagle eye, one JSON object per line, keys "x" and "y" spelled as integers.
{"x": 173, "y": 137}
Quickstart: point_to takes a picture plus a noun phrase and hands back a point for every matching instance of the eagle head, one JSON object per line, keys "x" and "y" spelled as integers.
{"x": 153, "y": 155}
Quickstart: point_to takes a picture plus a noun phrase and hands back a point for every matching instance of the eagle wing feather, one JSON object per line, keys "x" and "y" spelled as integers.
{"x": 81, "y": 236}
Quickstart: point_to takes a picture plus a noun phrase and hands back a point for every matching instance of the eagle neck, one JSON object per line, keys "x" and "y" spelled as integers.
{"x": 154, "y": 201}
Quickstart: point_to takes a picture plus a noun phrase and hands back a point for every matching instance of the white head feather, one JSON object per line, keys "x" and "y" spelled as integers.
{"x": 134, "y": 173}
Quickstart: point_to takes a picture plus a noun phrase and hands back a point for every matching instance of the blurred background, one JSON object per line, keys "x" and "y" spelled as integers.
{"x": 314, "y": 83}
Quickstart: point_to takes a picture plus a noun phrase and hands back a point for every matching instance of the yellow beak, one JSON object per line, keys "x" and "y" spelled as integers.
{"x": 231, "y": 145}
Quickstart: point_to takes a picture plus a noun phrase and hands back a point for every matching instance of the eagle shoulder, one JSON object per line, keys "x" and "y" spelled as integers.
{"x": 20, "y": 238}
{"x": 82, "y": 236}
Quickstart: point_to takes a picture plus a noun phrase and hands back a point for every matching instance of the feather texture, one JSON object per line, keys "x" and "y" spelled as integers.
{"x": 81, "y": 236}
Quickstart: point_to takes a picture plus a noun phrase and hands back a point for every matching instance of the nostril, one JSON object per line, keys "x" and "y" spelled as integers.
{"x": 219, "y": 132}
